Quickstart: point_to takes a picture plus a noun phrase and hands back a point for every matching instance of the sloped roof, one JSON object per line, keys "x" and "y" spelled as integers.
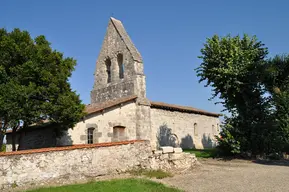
{"x": 89, "y": 109}
{"x": 186, "y": 109}
{"x": 42, "y": 123}
{"x": 160, "y": 105}
{"x": 125, "y": 37}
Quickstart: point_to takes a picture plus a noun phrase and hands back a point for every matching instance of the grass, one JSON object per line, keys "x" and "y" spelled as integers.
{"x": 158, "y": 174}
{"x": 119, "y": 185}
{"x": 202, "y": 153}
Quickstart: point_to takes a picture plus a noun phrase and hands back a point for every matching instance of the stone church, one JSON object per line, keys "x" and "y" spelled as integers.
{"x": 120, "y": 110}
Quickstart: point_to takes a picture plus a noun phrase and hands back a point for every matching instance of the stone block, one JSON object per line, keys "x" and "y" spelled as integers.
{"x": 167, "y": 149}
{"x": 158, "y": 152}
{"x": 176, "y": 156}
{"x": 164, "y": 156}
{"x": 178, "y": 150}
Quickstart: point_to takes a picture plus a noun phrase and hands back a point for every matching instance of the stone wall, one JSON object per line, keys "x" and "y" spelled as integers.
{"x": 103, "y": 123}
{"x": 117, "y": 44}
{"x": 83, "y": 162}
{"x": 187, "y": 130}
{"x": 171, "y": 159}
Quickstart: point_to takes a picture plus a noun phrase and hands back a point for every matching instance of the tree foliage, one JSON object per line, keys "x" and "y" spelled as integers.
{"x": 250, "y": 88}
{"x": 34, "y": 83}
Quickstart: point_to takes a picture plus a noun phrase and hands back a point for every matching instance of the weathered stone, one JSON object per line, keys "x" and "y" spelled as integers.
{"x": 158, "y": 152}
{"x": 175, "y": 128}
{"x": 118, "y": 53}
{"x": 178, "y": 150}
{"x": 69, "y": 166}
{"x": 176, "y": 156}
{"x": 167, "y": 149}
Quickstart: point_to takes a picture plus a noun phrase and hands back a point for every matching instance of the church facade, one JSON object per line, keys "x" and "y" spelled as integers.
{"x": 119, "y": 109}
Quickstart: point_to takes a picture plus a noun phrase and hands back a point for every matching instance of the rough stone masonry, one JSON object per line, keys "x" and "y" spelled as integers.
{"x": 32, "y": 168}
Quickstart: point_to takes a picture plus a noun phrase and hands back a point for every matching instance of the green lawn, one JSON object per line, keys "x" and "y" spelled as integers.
{"x": 202, "y": 153}
{"x": 119, "y": 185}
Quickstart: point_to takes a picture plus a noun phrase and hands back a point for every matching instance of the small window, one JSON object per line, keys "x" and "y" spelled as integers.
{"x": 108, "y": 70}
{"x": 118, "y": 133}
{"x": 90, "y": 135}
{"x": 195, "y": 129}
{"x": 120, "y": 65}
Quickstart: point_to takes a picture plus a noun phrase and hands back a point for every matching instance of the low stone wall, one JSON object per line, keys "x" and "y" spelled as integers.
{"x": 171, "y": 159}
{"x": 62, "y": 165}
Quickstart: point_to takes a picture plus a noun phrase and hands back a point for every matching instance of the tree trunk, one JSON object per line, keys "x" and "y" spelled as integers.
{"x": 20, "y": 147}
{"x": 1, "y": 139}
{"x": 21, "y": 137}
{"x": 1, "y": 135}
{"x": 3, "y": 127}
{"x": 14, "y": 129}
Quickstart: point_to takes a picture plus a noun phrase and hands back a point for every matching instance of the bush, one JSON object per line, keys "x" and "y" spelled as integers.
{"x": 227, "y": 144}
{"x": 3, "y": 149}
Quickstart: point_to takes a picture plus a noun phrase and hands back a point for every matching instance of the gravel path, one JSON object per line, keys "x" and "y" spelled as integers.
{"x": 231, "y": 176}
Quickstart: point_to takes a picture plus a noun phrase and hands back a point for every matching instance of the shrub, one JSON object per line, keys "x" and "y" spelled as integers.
{"x": 227, "y": 144}
{"x": 3, "y": 149}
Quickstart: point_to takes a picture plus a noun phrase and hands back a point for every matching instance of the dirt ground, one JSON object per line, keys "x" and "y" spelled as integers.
{"x": 235, "y": 175}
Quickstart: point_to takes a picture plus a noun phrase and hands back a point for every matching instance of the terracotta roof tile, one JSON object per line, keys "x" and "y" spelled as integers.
{"x": 166, "y": 106}
{"x": 94, "y": 108}
{"x": 42, "y": 122}
{"x": 81, "y": 146}
{"x": 89, "y": 109}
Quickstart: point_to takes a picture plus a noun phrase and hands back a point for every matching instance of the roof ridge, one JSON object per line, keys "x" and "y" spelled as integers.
{"x": 168, "y": 106}
{"x": 101, "y": 106}
{"x": 126, "y": 39}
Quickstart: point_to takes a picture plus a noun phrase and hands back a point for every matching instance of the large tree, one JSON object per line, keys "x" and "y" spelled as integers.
{"x": 34, "y": 83}
{"x": 275, "y": 78}
{"x": 240, "y": 74}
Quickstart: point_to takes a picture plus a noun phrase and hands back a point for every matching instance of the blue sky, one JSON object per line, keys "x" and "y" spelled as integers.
{"x": 168, "y": 34}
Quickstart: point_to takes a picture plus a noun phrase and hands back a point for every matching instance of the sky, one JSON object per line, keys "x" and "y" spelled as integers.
{"x": 168, "y": 34}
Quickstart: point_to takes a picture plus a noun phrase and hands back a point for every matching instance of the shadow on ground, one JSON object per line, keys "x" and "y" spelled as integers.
{"x": 272, "y": 162}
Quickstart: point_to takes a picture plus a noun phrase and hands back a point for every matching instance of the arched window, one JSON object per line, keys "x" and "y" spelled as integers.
{"x": 108, "y": 69}
{"x": 118, "y": 133}
{"x": 120, "y": 65}
{"x": 195, "y": 129}
{"x": 90, "y": 135}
